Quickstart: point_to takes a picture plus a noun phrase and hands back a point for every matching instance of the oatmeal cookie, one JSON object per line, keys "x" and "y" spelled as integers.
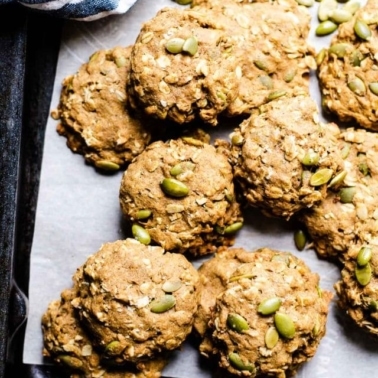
{"x": 214, "y": 276}
{"x": 348, "y": 73}
{"x": 181, "y": 66}
{"x": 358, "y": 287}
{"x": 348, "y": 216}
{"x": 272, "y": 51}
{"x": 69, "y": 344}
{"x": 136, "y": 300}
{"x": 94, "y": 114}
{"x": 271, "y": 317}
{"x": 284, "y": 157}
{"x": 181, "y": 195}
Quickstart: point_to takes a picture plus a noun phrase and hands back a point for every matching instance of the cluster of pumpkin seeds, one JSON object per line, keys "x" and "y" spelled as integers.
{"x": 331, "y": 15}
{"x": 168, "y": 301}
{"x": 180, "y": 45}
{"x": 363, "y": 269}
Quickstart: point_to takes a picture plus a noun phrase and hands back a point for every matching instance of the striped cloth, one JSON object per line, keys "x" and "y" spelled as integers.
{"x": 83, "y": 10}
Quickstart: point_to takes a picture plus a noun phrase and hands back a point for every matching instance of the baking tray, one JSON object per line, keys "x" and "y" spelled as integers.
{"x": 28, "y": 55}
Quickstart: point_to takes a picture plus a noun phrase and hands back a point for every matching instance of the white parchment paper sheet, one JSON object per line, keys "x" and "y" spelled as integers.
{"x": 78, "y": 210}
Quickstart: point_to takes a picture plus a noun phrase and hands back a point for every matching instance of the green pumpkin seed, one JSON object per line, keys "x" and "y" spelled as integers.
{"x": 174, "y": 188}
{"x": 271, "y": 337}
{"x": 191, "y": 45}
{"x": 114, "y": 348}
{"x": 316, "y": 328}
{"x": 340, "y": 15}
{"x": 284, "y": 325}
{"x": 239, "y": 277}
{"x": 266, "y": 81}
{"x": 325, "y": 7}
{"x": 339, "y": 49}
{"x": 300, "y": 239}
{"x": 143, "y": 214}
{"x": 306, "y": 3}
{"x": 175, "y": 45}
{"x": 141, "y": 234}
{"x": 357, "y": 86}
{"x": 373, "y": 306}
{"x": 184, "y": 2}
{"x": 229, "y": 196}
{"x": 176, "y": 170}
{"x": 364, "y": 256}
{"x": 356, "y": 58}
{"x": 162, "y": 304}
{"x": 320, "y": 57}
{"x": 107, "y": 165}
{"x": 237, "y": 139}
{"x": 260, "y": 65}
{"x": 237, "y": 323}
{"x": 289, "y": 75}
{"x": 362, "y": 30}
{"x": 321, "y": 177}
{"x": 374, "y": 88}
{"x": 364, "y": 169}
{"x": 171, "y": 286}
{"x": 70, "y": 361}
{"x": 319, "y": 291}
{"x": 121, "y": 61}
{"x": 345, "y": 151}
{"x": 276, "y": 94}
{"x": 311, "y": 158}
{"x": 338, "y": 179}
{"x": 237, "y": 363}
{"x": 231, "y": 229}
{"x": 325, "y": 28}
{"x": 346, "y": 194}
{"x": 352, "y": 6}
{"x": 363, "y": 274}
{"x": 269, "y": 306}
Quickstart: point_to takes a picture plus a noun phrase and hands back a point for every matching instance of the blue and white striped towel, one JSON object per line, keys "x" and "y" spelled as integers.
{"x": 84, "y": 10}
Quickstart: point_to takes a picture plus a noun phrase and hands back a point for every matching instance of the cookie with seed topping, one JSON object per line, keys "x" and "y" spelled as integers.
{"x": 94, "y": 114}
{"x": 136, "y": 300}
{"x": 271, "y": 316}
{"x": 70, "y": 345}
{"x": 283, "y": 157}
{"x": 348, "y": 69}
{"x": 182, "y": 68}
{"x": 348, "y": 216}
{"x": 180, "y": 195}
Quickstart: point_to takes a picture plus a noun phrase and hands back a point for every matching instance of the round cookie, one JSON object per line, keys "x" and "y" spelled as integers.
{"x": 284, "y": 157}
{"x": 348, "y": 73}
{"x": 358, "y": 287}
{"x": 213, "y": 279}
{"x": 181, "y": 193}
{"x": 69, "y": 345}
{"x": 94, "y": 115}
{"x": 136, "y": 300}
{"x": 271, "y": 317}
{"x": 272, "y": 51}
{"x": 198, "y": 78}
{"x": 348, "y": 215}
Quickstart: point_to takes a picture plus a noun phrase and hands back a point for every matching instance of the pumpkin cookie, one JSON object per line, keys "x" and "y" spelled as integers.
{"x": 70, "y": 345}
{"x": 136, "y": 300}
{"x": 94, "y": 115}
{"x": 271, "y": 317}
{"x": 180, "y": 194}
{"x": 348, "y": 71}
{"x": 284, "y": 157}
{"x": 348, "y": 216}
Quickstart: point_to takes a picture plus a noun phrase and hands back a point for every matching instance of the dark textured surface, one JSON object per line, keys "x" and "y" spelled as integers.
{"x": 24, "y": 106}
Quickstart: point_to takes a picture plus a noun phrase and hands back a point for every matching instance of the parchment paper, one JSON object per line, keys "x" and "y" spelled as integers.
{"x": 78, "y": 210}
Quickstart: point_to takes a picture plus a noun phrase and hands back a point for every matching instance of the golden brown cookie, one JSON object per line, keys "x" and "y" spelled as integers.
{"x": 284, "y": 157}
{"x": 94, "y": 114}
{"x": 348, "y": 73}
{"x": 271, "y": 317}
{"x": 182, "y": 195}
{"x": 136, "y": 300}
{"x": 348, "y": 216}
